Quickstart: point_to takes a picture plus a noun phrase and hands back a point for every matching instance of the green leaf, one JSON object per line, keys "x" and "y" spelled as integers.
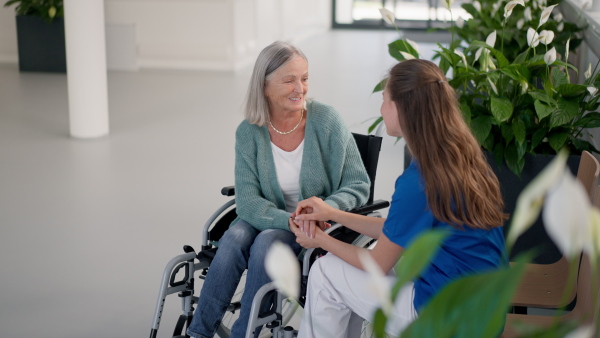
{"x": 375, "y": 124}
{"x": 488, "y": 293}
{"x": 489, "y": 143}
{"x": 380, "y": 86}
{"x": 559, "y": 78}
{"x": 519, "y": 130}
{"x": 565, "y": 113}
{"x": 542, "y": 96}
{"x": 466, "y": 112}
{"x": 542, "y": 110}
{"x": 513, "y": 72}
{"x": 537, "y": 137}
{"x": 400, "y": 45}
{"x": 557, "y": 140}
{"x": 481, "y": 126}
{"x": 417, "y": 257}
{"x": 379, "y": 322}
{"x": 507, "y": 132}
{"x": 520, "y": 58}
{"x": 514, "y": 161}
{"x": 590, "y": 120}
{"x": 571, "y": 90}
{"x": 502, "y": 109}
{"x": 470, "y": 9}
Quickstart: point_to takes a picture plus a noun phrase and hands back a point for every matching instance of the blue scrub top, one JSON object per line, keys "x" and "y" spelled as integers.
{"x": 464, "y": 252}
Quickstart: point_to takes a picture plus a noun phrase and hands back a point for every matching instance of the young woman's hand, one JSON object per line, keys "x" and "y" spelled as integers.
{"x": 304, "y": 239}
{"x": 316, "y": 210}
{"x": 309, "y": 226}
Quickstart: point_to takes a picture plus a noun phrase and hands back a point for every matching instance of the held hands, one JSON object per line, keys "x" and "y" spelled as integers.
{"x": 305, "y": 239}
{"x": 308, "y": 221}
{"x": 314, "y": 209}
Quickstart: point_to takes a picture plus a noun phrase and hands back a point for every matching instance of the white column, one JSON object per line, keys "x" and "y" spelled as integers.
{"x": 86, "y": 68}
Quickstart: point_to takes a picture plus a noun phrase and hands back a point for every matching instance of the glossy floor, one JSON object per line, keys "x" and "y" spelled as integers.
{"x": 86, "y": 226}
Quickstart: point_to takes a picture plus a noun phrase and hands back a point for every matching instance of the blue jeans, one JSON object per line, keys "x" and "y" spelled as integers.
{"x": 241, "y": 247}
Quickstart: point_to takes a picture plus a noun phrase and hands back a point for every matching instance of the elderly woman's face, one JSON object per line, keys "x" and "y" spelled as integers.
{"x": 286, "y": 87}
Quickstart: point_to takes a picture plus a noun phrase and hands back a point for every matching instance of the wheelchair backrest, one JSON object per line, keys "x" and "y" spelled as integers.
{"x": 369, "y": 147}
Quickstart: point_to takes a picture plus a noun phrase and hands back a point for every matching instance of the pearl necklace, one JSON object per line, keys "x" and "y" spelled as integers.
{"x": 288, "y": 132}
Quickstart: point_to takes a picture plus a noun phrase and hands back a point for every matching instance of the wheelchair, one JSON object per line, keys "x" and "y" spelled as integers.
{"x": 271, "y": 311}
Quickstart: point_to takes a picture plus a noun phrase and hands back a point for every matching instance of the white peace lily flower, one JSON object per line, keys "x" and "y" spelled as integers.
{"x": 52, "y": 12}
{"x": 529, "y": 202}
{"x": 550, "y": 56}
{"x": 524, "y": 87}
{"x": 592, "y": 247}
{"x": 414, "y": 45}
{"x": 387, "y": 16}
{"x": 491, "y": 39}
{"x": 477, "y": 5}
{"x": 282, "y": 267}
{"x": 558, "y": 16}
{"x": 520, "y": 23}
{"x": 462, "y": 56}
{"x": 511, "y": 5}
{"x": 560, "y": 26}
{"x": 546, "y": 37}
{"x": 490, "y": 62}
{"x": 566, "y": 215}
{"x": 460, "y": 22}
{"x": 585, "y": 5}
{"x": 496, "y": 7}
{"x": 533, "y": 38}
{"x": 407, "y": 56}
{"x": 545, "y": 15}
{"x": 527, "y": 14}
{"x": 592, "y": 90}
{"x": 493, "y": 86}
{"x": 588, "y": 72}
{"x": 478, "y": 54}
{"x": 567, "y": 49}
{"x": 582, "y": 332}
{"x": 377, "y": 284}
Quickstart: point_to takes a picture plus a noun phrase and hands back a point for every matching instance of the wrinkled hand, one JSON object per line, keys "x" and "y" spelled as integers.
{"x": 303, "y": 238}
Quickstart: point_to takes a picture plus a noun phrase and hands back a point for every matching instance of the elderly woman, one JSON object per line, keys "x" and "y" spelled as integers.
{"x": 287, "y": 149}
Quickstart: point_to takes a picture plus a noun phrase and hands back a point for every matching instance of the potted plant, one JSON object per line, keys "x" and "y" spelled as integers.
{"x": 40, "y": 35}
{"x": 509, "y": 66}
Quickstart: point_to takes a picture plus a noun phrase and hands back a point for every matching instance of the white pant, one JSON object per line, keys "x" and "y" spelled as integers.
{"x": 338, "y": 299}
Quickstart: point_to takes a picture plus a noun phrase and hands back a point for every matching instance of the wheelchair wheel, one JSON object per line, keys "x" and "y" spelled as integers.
{"x": 289, "y": 309}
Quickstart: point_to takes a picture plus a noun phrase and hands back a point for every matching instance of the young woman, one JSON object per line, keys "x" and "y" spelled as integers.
{"x": 448, "y": 185}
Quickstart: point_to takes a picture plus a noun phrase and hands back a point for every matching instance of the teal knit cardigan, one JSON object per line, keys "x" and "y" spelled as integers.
{"x": 331, "y": 169}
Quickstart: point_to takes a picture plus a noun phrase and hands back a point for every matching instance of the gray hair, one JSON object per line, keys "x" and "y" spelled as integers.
{"x": 269, "y": 60}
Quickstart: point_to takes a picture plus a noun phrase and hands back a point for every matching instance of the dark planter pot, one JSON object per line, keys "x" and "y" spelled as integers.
{"x": 41, "y": 44}
{"x": 511, "y": 186}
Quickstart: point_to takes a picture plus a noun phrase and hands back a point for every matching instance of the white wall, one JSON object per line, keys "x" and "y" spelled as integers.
{"x": 200, "y": 34}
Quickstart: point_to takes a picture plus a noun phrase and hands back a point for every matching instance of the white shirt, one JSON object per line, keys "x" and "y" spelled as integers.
{"x": 287, "y": 168}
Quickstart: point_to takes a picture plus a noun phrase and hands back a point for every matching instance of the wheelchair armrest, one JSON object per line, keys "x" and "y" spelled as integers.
{"x": 228, "y": 191}
{"x": 369, "y": 208}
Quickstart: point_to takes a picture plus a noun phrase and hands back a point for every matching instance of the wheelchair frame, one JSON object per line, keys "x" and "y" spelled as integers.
{"x": 368, "y": 145}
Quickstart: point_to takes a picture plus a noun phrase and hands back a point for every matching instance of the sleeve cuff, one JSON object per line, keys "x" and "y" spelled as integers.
{"x": 332, "y": 203}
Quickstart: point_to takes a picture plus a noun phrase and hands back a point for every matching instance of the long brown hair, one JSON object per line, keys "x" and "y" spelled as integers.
{"x": 460, "y": 185}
